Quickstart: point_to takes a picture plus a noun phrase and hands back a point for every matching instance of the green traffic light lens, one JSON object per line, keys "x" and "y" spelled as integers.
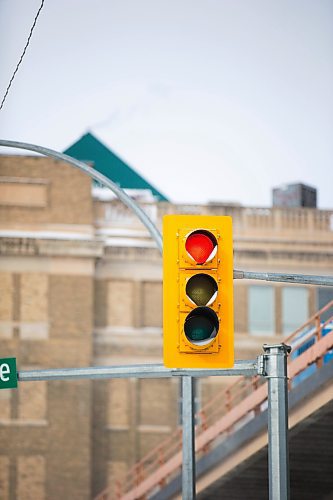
{"x": 201, "y": 326}
{"x": 201, "y": 289}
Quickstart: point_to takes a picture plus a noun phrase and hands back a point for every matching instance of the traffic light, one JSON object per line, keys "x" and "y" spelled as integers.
{"x": 197, "y": 291}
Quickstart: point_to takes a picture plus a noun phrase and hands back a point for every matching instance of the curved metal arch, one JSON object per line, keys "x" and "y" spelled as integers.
{"x": 94, "y": 174}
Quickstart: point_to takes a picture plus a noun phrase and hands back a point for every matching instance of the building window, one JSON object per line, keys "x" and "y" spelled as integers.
{"x": 4, "y": 476}
{"x": 6, "y": 305}
{"x": 152, "y": 304}
{"x": 154, "y": 405}
{"x": 5, "y": 405}
{"x": 295, "y": 308}
{"x": 325, "y": 295}
{"x": 120, "y": 303}
{"x": 32, "y": 401}
{"x": 33, "y": 306}
{"x": 118, "y": 403}
{"x": 116, "y": 474}
{"x": 30, "y": 477}
{"x": 28, "y": 405}
{"x": 261, "y": 310}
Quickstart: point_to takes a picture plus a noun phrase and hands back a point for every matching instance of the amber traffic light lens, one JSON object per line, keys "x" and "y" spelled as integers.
{"x": 201, "y": 289}
{"x": 201, "y": 326}
{"x": 200, "y": 245}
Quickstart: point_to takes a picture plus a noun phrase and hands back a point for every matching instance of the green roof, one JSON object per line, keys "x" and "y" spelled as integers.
{"x": 90, "y": 149}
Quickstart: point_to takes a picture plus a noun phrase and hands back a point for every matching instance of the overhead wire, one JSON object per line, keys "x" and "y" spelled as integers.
{"x": 22, "y": 55}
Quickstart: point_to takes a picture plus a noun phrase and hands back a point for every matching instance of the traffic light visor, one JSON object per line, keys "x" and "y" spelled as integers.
{"x": 201, "y": 246}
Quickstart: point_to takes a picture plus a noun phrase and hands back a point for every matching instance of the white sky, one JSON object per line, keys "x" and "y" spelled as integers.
{"x": 208, "y": 99}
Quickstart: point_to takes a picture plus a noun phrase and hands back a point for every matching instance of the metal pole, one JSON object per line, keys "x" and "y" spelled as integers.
{"x": 304, "y": 279}
{"x": 247, "y": 368}
{"x": 278, "y": 454}
{"x": 188, "y": 469}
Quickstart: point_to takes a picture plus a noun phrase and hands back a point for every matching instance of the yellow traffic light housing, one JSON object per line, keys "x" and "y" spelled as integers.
{"x": 198, "y": 327}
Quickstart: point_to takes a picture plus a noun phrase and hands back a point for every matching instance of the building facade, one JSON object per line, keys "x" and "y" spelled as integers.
{"x": 81, "y": 285}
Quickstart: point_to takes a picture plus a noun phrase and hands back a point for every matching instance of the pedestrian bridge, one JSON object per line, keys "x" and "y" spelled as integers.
{"x": 231, "y": 436}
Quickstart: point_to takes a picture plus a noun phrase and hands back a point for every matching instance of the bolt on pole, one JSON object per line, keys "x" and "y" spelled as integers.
{"x": 275, "y": 359}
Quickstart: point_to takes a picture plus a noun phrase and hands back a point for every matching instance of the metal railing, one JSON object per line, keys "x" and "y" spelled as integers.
{"x": 227, "y": 411}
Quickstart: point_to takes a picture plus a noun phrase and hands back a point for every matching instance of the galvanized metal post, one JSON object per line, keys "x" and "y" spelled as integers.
{"x": 278, "y": 454}
{"x": 188, "y": 470}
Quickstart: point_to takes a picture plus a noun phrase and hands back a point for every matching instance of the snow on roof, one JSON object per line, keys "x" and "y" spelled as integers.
{"x": 105, "y": 194}
{"x": 124, "y": 232}
{"x": 129, "y": 242}
{"x": 117, "y": 241}
{"x": 47, "y": 235}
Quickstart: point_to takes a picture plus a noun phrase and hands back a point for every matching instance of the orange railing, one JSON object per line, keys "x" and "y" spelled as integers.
{"x": 231, "y": 408}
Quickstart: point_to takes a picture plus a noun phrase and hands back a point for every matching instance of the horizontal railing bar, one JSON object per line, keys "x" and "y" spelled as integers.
{"x": 309, "y": 322}
{"x": 242, "y": 367}
{"x": 312, "y": 335}
{"x": 304, "y": 279}
{"x": 311, "y": 355}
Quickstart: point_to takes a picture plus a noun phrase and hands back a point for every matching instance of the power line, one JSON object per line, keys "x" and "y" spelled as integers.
{"x": 22, "y": 55}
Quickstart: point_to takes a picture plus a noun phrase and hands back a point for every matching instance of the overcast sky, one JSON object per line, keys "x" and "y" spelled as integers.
{"x": 208, "y": 99}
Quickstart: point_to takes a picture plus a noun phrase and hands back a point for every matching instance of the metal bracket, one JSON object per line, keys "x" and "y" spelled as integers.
{"x": 261, "y": 365}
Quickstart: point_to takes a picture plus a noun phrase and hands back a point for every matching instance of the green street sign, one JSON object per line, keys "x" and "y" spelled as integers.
{"x": 8, "y": 374}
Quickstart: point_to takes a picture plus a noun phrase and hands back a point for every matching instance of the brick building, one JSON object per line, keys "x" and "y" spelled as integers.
{"x": 80, "y": 285}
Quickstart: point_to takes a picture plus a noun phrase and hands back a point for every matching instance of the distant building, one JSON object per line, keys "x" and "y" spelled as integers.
{"x": 295, "y": 195}
{"x": 91, "y": 150}
{"x": 81, "y": 285}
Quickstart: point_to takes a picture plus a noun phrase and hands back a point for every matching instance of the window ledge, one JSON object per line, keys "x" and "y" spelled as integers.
{"x": 24, "y": 422}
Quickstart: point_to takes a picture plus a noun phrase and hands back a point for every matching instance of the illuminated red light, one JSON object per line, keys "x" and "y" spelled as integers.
{"x": 199, "y": 246}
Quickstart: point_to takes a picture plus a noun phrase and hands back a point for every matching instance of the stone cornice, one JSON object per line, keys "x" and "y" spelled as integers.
{"x": 90, "y": 247}
{"x": 49, "y": 247}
